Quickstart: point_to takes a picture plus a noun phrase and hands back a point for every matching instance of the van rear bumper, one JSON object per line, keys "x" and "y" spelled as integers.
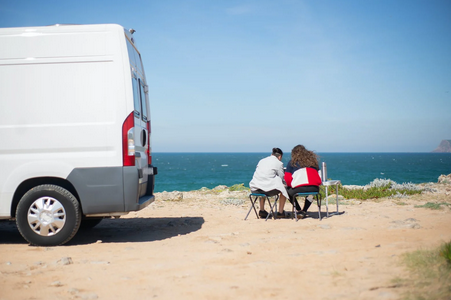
{"x": 110, "y": 191}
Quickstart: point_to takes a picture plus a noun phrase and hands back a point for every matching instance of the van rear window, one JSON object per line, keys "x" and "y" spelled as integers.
{"x": 135, "y": 57}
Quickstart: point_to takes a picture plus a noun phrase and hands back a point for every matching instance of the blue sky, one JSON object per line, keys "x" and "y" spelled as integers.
{"x": 247, "y": 76}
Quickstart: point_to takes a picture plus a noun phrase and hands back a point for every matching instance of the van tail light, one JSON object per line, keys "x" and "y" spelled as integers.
{"x": 128, "y": 141}
{"x": 149, "y": 148}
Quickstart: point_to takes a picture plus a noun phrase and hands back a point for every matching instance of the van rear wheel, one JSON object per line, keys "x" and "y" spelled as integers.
{"x": 48, "y": 215}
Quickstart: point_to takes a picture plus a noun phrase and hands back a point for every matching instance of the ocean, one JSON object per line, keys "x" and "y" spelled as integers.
{"x": 192, "y": 171}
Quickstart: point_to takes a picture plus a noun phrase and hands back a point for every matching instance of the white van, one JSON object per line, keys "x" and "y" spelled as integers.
{"x": 74, "y": 129}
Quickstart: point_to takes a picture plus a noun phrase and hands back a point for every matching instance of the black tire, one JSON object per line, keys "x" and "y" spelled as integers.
{"x": 48, "y": 215}
{"x": 89, "y": 223}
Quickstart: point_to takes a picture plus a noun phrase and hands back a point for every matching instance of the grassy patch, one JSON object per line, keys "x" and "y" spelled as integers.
{"x": 379, "y": 188}
{"x": 445, "y": 252}
{"x": 238, "y": 187}
{"x": 429, "y": 274}
{"x": 432, "y": 205}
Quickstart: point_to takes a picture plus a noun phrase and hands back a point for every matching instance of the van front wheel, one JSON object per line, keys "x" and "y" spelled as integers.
{"x": 48, "y": 215}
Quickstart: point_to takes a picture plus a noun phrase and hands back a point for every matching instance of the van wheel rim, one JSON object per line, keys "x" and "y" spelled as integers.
{"x": 46, "y": 216}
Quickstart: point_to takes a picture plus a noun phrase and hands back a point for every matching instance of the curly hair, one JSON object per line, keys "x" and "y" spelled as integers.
{"x": 303, "y": 158}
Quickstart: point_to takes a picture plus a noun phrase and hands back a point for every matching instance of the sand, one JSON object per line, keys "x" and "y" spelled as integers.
{"x": 202, "y": 248}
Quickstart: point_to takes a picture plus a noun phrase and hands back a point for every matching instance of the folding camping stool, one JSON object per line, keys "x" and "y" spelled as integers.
{"x": 318, "y": 201}
{"x": 273, "y": 208}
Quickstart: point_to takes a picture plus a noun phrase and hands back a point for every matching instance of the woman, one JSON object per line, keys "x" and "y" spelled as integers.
{"x": 268, "y": 179}
{"x": 302, "y": 176}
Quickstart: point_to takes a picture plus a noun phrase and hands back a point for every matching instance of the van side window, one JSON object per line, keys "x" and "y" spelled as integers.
{"x": 143, "y": 102}
{"x": 136, "y": 98}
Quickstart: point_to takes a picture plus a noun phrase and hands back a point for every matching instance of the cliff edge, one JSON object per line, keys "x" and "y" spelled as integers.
{"x": 444, "y": 147}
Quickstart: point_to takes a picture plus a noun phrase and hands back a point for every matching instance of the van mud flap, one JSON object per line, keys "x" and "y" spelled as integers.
{"x": 151, "y": 180}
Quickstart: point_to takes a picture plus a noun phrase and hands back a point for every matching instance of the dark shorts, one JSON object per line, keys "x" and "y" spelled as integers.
{"x": 268, "y": 193}
{"x": 302, "y": 189}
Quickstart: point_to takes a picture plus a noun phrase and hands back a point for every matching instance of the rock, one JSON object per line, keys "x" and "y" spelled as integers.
{"x": 170, "y": 196}
{"x": 224, "y": 194}
{"x": 444, "y": 147}
{"x": 56, "y": 284}
{"x": 65, "y": 261}
{"x": 410, "y": 220}
{"x": 444, "y": 179}
{"x": 415, "y": 226}
{"x": 407, "y": 223}
{"x": 73, "y": 291}
{"x": 220, "y": 187}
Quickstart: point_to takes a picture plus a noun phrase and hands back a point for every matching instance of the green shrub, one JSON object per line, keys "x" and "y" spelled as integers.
{"x": 379, "y": 188}
{"x": 445, "y": 252}
{"x": 238, "y": 187}
{"x": 432, "y": 205}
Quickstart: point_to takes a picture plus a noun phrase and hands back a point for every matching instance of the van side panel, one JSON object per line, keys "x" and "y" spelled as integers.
{"x": 100, "y": 189}
{"x": 108, "y": 190}
{"x": 65, "y": 92}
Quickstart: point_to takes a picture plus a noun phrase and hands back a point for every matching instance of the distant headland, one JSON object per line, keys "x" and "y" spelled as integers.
{"x": 444, "y": 147}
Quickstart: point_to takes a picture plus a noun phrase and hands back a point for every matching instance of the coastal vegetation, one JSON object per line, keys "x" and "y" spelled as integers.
{"x": 429, "y": 274}
{"x": 378, "y": 188}
{"x": 238, "y": 187}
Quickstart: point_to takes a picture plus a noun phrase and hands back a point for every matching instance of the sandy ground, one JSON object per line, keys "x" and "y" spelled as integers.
{"x": 201, "y": 248}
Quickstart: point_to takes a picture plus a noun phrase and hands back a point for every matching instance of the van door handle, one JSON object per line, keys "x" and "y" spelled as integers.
{"x": 143, "y": 138}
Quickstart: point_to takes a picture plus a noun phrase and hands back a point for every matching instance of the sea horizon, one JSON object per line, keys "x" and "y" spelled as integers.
{"x": 186, "y": 171}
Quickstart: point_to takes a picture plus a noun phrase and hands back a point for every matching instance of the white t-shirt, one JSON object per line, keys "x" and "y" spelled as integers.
{"x": 269, "y": 176}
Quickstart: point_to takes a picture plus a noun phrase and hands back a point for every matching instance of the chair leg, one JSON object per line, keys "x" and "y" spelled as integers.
{"x": 294, "y": 208}
{"x": 318, "y": 201}
{"x": 327, "y": 203}
{"x": 336, "y": 189}
{"x": 271, "y": 207}
{"x": 252, "y": 207}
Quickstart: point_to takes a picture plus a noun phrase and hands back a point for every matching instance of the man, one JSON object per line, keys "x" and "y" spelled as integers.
{"x": 268, "y": 180}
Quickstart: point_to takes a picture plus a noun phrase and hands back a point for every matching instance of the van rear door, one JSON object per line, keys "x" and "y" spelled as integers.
{"x": 141, "y": 117}
{"x": 140, "y": 131}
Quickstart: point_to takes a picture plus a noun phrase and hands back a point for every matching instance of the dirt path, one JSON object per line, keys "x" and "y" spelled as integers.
{"x": 199, "y": 248}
